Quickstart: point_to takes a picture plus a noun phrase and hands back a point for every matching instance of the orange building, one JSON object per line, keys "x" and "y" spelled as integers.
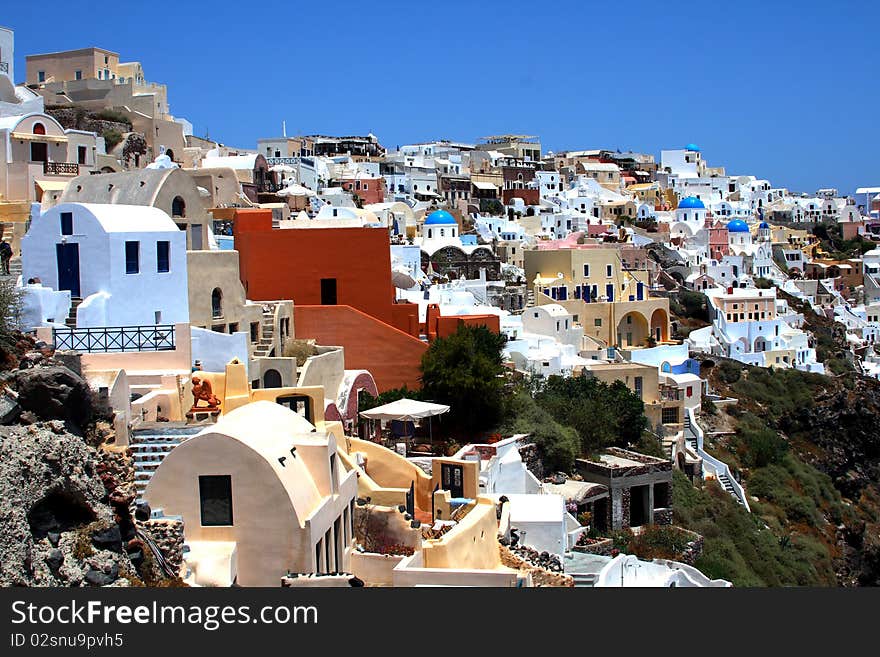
{"x": 340, "y": 283}
{"x": 320, "y": 267}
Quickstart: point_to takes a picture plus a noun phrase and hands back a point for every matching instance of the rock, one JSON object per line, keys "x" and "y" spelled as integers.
{"x": 142, "y": 512}
{"x": 56, "y": 393}
{"x": 54, "y": 559}
{"x": 27, "y": 418}
{"x": 9, "y": 409}
{"x": 106, "y": 575}
{"x": 108, "y": 539}
{"x": 53, "y": 537}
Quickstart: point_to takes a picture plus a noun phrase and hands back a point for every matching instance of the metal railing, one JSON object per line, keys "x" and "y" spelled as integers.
{"x": 4, "y": 67}
{"x": 61, "y": 168}
{"x": 115, "y": 339}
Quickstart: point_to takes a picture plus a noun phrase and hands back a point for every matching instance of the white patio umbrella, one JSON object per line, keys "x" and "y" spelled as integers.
{"x": 406, "y": 410}
{"x": 281, "y": 168}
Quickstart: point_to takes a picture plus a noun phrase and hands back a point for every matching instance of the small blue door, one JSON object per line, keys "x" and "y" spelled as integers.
{"x": 68, "y": 268}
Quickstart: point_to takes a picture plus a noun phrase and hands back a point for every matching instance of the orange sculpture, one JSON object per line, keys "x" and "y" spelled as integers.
{"x": 203, "y": 392}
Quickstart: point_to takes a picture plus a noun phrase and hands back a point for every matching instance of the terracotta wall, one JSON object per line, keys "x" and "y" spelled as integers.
{"x": 390, "y": 355}
{"x": 289, "y": 264}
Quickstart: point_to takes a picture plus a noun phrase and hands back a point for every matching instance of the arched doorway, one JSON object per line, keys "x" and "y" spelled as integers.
{"x": 178, "y": 207}
{"x": 39, "y": 149}
{"x": 660, "y": 325}
{"x": 632, "y": 330}
{"x": 271, "y": 379}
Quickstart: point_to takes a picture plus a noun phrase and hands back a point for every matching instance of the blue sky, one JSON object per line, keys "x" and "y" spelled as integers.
{"x": 782, "y": 90}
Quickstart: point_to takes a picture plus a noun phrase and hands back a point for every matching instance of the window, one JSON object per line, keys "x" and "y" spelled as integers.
{"x": 609, "y": 270}
{"x": 132, "y": 257}
{"x": 78, "y": 75}
{"x": 178, "y": 207}
{"x": 163, "y": 253}
{"x": 638, "y": 386}
{"x": 669, "y": 415}
{"x": 41, "y": 76}
{"x": 586, "y": 271}
{"x": 597, "y": 321}
{"x": 67, "y": 223}
{"x": 215, "y": 500}
{"x": 217, "y": 303}
{"x": 81, "y": 154}
{"x": 255, "y": 331}
{"x": 690, "y": 391}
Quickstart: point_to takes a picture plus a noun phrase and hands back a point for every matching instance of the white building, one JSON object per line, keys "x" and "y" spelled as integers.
{"x": 127, "y": 263}
{"x": 262, "y": 494}
{"x": 754, "y": 327}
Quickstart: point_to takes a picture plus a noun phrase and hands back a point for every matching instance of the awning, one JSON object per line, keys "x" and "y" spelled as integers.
{"x": 421, "y": 193}
{"x": 51, "y": 185}
{"x": 28, "y": 136}
{"x": 406, "y": 410}
{"x": 485, "y": 185}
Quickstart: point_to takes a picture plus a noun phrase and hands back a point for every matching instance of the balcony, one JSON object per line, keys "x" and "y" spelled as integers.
{"x": 4, "y": 67}
{"x": 61, "y": 168}
{"x": 115, "y": 339}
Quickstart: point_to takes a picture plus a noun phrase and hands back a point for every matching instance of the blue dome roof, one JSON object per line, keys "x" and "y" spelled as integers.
{"x": 764, "y": 225}
{"x": 737, "y": 226}
{"x": 692, "y": 147}
{"x": 440, "y": 217}
{"x": 691, "y": 202}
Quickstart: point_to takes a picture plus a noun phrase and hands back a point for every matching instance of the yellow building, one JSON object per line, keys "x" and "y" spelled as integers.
{"x": 664, "y": 403}
{"x": 607, "y": 294}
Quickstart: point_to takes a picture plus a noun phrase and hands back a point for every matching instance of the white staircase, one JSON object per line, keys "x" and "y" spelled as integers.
{"x": 267, "y": 332}
{"x": 583, "y": 580}
{"x": 150, "y": 446}
{"x": 711, "y": 465}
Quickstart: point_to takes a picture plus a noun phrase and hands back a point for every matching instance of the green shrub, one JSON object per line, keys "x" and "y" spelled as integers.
{"x": 729, "y": 372}
{"x": 112, "y": 138}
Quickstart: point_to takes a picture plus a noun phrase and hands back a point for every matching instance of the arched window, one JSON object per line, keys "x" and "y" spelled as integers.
{"x": 217, "y": 303}
{"x": 39, "y": 129}
{"x": 178, "y": 207}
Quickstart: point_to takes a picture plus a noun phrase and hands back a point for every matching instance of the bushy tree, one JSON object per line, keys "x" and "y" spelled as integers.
{"x": 559, "y": 445}
{"x": 602, "y": 414}
{"x": 465, "y": 371}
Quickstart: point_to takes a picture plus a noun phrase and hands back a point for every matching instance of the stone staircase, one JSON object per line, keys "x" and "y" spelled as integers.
{"x": 150, "y": 446}
{"x": 724, "y": 480}
{"x": 71, "y": 316}
{"x": 267, "y": 332}
{"x": 530, "y": 298}
{"x": 583, "y": 580}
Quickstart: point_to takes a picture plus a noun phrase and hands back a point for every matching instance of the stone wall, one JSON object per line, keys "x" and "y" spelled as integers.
{"x": 602, "y": 547}
{"x": 540, "y": 576}
{"x": 167, "y": 533}
{"x": 530, "y": 455}
{"x": 662, "y": 516}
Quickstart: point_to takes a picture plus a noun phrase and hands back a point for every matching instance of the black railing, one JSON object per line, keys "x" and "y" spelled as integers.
{"x": 115, "y": 339}
{"x": 4, "y": 67}
{"x": 61, "y": 168}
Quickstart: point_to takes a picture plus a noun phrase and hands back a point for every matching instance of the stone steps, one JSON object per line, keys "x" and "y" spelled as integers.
{"x": 583, "y": 580}
{"x": 150, "y": 449}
